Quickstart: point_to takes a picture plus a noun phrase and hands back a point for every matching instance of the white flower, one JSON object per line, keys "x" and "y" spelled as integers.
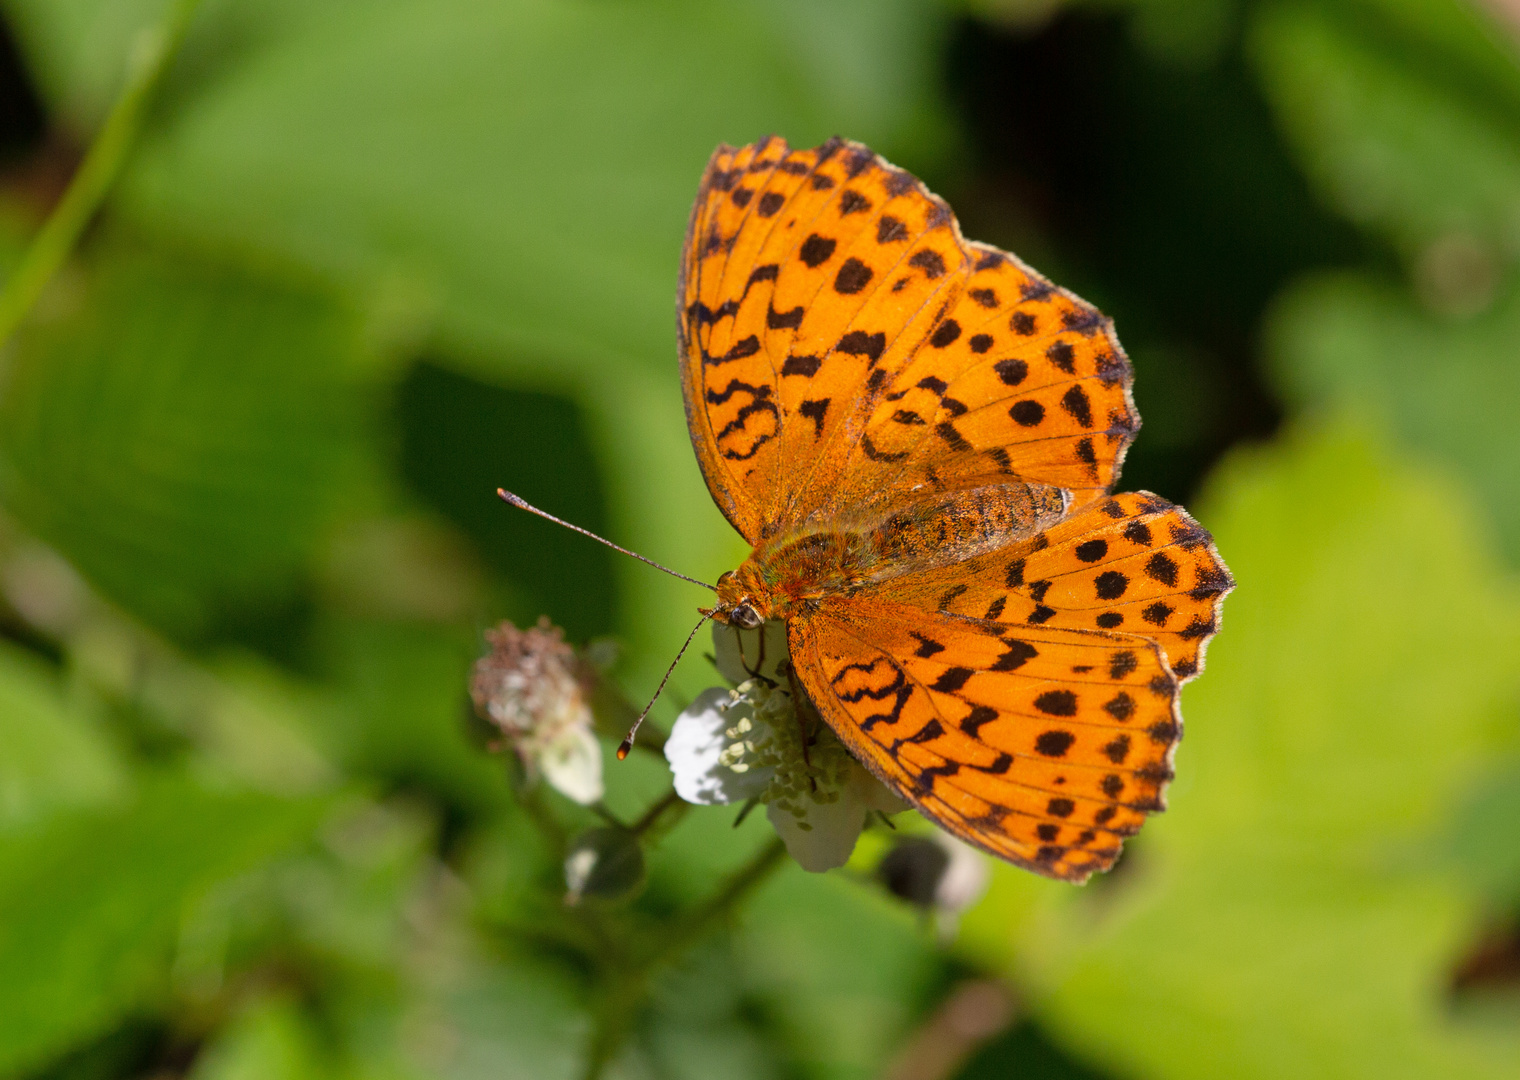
{"x": 708, "y": 750}
{"x": 731, "y": 746}
{"x": 821, "y": 835}
{"x": 534, "y": 688}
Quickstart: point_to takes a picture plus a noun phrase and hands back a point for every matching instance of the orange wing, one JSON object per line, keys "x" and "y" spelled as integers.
{"x": 1000, "y": 696}
{"x": 1132, "y": 564}
{"x": 842, "y": 346}
{"x": 1043, "y": 747}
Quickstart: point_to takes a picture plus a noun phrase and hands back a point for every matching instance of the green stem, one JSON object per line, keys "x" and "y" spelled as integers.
{"x": 150, "y": 57}
{"x": 626, "y": 984}
{"x": 653, "y": 814}
{"x": 740, "y": 884}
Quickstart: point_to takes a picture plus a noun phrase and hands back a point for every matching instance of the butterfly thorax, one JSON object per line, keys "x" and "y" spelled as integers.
{"x": 791, "y": 573}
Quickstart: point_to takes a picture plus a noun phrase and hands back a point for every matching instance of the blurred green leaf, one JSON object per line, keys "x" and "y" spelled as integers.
{"x": 519, "y": 171}
{"x": 51, "y": 756}
{"x": 184, "y": 437}
{"x": 273, "y": 1040}
{"x": 1286, "y": 918}
{"x": 89, "y": 904}
{"x": 517, "y": 1019}
{"x": 1351, "y": 341}
{"x": 841, "y": 968}
{"x": 1484, "y": 838}
{"x": 79, "y": 49}
{"x": 406, "y": 711}
{"x": 1406, "y": 115}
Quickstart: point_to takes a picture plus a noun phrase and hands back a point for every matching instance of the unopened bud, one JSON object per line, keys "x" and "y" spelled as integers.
{"x": 606, "y": 863}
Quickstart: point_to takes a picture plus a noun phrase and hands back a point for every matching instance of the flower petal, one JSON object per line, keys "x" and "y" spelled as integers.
{"x": 572, "y": 764}
{"x": 695, "y": 749}
{"x": 824, "y": 838}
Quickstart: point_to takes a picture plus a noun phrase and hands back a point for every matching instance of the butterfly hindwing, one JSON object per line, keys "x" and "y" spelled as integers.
{"x": 1045, "y": 747}
{"x": 1131, "y": 564}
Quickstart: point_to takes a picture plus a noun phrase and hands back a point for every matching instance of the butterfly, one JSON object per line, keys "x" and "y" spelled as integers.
{"x": 919, "y": 435}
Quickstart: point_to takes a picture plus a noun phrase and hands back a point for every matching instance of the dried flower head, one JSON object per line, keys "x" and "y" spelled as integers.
{"x": 535, "y": 689}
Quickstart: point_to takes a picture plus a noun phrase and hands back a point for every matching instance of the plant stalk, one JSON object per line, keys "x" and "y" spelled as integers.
{"x": 151, "y": 55}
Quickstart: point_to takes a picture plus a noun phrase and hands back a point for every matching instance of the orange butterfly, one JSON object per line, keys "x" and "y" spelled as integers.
{"x": 919, "y": 434}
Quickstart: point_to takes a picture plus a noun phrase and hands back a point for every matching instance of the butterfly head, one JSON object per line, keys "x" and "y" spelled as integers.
{"x": 741, "y": 598}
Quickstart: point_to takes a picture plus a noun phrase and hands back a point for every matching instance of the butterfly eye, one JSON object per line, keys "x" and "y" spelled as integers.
{"x": 745, "y": 617}
{"x": 725, "y": 577}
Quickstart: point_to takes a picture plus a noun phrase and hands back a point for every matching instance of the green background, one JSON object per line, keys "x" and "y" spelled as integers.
{"x": 369, "y": 261}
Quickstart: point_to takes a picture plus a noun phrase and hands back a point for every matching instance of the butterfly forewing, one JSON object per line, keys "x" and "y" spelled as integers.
{"x": 844, "y": 347}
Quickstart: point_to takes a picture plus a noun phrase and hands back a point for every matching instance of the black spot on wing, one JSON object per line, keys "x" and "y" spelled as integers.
{"x": 889, "y": 230}
{"x": 1075, "y": 402}
{"x": 1092, "y": 550}
{"x": 784, "y": 320}
{"x": 1061, "y": 356}
{"x": 1122, "y": 663}
{"x": 816, "y": 250}
{"x": 1111, "y": 585}
{"x": 1054, "y": 743}
{"x": 815, "y": 409}
{"x": 1057, "y": 703}
{"x": 932, "y": 263}
{"x": 1163, "y": 568}
{"x": 853, "y": 276}
{"x": 1012, "y": 372}
{"x": 945, "y": 333}
{"x": 853, "y": 202}
{"x": 1027, "y": 413}
{"x": 860, "y": 343}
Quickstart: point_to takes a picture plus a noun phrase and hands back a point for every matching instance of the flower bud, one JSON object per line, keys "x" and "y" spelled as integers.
{"x": 606, "y": 863}
{"x": 534, "y": 689}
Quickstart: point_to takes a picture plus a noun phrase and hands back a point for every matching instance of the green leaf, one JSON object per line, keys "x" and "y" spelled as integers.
{"x": 1287, "y": 916}
{"x": 51, "y": 756}
{"x": 840, "y": 967}
{"x": 521, "y": 169}
{"x": 184, "y": 437}
{"x": 272, "y": 1040}
{"x": 1406, "y": 116}
{"x": 90, "y": 902}
{"x": 405, "y": 711}
{"x": 1351, "y": 341}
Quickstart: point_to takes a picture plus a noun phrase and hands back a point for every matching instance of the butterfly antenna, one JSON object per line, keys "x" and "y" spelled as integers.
{"x": 522, "y": 504}
{"x": 627, "y": 743}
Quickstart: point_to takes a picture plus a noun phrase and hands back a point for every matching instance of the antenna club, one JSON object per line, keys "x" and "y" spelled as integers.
{"x": 623, "y": 748}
